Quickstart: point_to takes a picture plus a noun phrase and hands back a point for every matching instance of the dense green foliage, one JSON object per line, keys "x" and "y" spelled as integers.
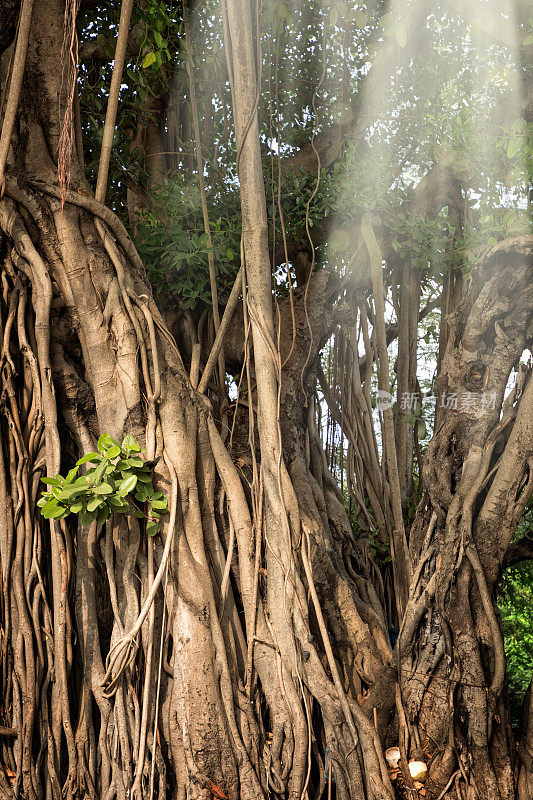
{"x": 516, "y": 606}
{"x": 173, "y": 244}
{"x": 118, "y": 481}
{"x": 515, "y": 601}
{"x": 447, "y": 99}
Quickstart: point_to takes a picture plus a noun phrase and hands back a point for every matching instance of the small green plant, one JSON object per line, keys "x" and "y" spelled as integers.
{"x": 117, "y": 481}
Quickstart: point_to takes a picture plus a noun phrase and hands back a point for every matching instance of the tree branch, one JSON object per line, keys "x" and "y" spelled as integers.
{"x": 92, "y": 50}
{"x": 521, "y": 550}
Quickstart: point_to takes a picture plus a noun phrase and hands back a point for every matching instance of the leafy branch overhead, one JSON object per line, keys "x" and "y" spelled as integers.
{"x": 117, "y": 481}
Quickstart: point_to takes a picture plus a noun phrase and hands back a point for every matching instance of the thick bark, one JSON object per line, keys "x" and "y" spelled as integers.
{"x": 477, "y": 479}
{"x": 265, "y": 662}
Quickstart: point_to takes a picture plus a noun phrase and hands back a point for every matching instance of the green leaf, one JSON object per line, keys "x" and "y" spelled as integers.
{"x": 144, "y": 477}
{"x": 98, "y": 473}
{"x": 160, "y": 504}
{"x": 94, "y": 503}
{"x": 76, "y": 508}
{"x": 103, "y": 488}
{"x": 105, "y": 442}
{"x": 57, "y": 481}
{"x": 135, "y": 462}
{"x": 519, "y": 125}
{"x": 53, "y": 511}
{"x": 514, "y": 146}
{"x": 528, "y": 40}
{"x": 89, "y": 457}
{"x": 114, "y": 451}
{"x": 127, "y": 486}
{"x": 129, "y": 445}
{"x": 50, "y": 503}
{"x": 119, "y": 505}
{"x": 103, "y": 513}
{"x": 152, "y": 528}
{"x": 67, "y": 492}
{"x": 42, "y": 501}
{"x": 148, "y": 60}
{"x": 71, "y": 475}
{"x": 81, "y": 482}
{"x": 88, "y": 517}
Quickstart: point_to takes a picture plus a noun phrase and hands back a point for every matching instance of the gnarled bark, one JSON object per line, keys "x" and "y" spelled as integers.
{"x": 263, "y": 665}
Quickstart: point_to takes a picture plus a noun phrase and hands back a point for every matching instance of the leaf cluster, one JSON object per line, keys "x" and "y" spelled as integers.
{"x": 174, "y": 246}
{"x": 516, "y": 607}
{"x": 117, "y": 481}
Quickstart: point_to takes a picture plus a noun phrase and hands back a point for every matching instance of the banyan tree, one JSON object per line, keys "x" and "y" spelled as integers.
{"x": 255, "y": 239}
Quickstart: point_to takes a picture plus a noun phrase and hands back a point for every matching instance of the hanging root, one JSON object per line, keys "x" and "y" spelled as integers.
{"x": 123, "y": 653}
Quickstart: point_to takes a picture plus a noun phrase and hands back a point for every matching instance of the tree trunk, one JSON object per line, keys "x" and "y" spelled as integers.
{"x": 477, "y": 479}
{"x": 264, "y": 665}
